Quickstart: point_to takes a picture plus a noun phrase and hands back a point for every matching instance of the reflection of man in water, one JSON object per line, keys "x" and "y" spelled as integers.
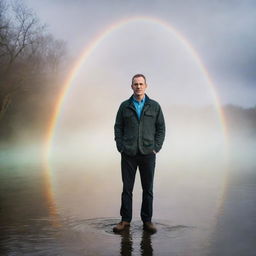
{"x": 127, "y": 248}
{"x": 139, "y": 135}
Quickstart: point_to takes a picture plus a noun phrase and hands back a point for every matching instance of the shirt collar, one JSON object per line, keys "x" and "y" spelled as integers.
{"x": 142, "y": 101}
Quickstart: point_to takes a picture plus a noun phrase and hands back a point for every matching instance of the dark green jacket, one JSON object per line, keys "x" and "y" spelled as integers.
{"x": 145, "y": 135}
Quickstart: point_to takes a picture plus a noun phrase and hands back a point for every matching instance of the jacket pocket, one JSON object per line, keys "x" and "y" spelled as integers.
{"x": 148, "y": 142}
{"x": 150, "y": 114}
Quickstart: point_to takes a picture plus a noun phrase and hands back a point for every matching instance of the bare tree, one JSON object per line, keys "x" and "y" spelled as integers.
{"x": 4, "y": 28}
{"x": 21, "y": 32}
{"x": 27, "y": 52}
{"x": 15, "y": 36}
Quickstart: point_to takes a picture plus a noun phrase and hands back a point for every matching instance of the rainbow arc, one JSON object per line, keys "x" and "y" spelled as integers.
{"x": 92, "y": 46}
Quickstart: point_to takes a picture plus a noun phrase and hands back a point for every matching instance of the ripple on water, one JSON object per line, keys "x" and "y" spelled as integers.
{"x": 91, "y": 237}
{"x": 105, "y": 225}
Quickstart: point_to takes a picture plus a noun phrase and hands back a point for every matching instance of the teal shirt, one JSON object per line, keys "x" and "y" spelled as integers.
{"x": 138, "y": 105}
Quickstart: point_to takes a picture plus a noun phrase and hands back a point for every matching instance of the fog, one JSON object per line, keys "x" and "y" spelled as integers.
{"x": 60, "y": 175}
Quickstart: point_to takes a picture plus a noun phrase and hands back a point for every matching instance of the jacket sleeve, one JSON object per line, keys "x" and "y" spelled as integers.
{"x": 160, "y": 130}
{"x": 118, "y": 128}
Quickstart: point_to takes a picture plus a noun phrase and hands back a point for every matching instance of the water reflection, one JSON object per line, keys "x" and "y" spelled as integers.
{"x": 146, "y": 244}
{"x": 126, "y": 242}
{"x": 127, "y": 249}
{"x": 29, "y": 227}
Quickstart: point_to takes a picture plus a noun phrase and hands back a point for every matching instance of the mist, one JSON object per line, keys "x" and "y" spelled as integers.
{"x": 61, "y": 194}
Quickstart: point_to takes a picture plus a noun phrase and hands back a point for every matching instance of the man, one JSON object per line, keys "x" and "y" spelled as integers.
{"x": 139, "y": 135}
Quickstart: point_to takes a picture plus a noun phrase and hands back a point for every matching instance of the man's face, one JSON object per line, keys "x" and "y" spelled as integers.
{"x": 139, "y": 86}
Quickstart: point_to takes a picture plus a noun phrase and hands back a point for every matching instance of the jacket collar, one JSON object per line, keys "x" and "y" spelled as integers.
{"x": 146, "y": 100}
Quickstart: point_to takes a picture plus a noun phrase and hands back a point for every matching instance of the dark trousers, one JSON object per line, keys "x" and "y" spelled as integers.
{"x": 129, "y": 164}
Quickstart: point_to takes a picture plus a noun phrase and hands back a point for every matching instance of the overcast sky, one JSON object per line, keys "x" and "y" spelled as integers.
{"x": 222, "y": 33}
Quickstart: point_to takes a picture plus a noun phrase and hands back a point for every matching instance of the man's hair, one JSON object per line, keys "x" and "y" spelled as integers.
{"x": 138, "y": 75}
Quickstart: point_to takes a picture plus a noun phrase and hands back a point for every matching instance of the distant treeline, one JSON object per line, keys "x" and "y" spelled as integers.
{"x": 30, "y": 63}
{"x": 241, "y": 121}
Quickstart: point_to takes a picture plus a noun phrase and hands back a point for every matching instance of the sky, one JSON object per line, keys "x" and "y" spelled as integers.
{"x": 221, "y": 32}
